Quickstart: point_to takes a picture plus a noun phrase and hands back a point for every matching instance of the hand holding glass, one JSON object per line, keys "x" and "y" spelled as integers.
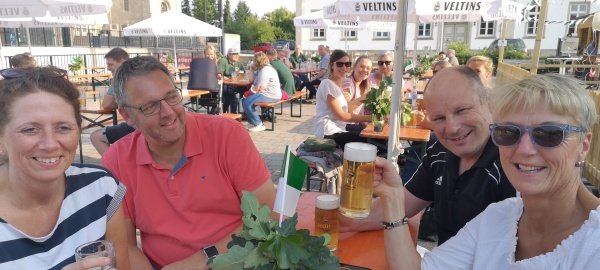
{"x": 102, "y": 248}
{"x": 357, "y": 179}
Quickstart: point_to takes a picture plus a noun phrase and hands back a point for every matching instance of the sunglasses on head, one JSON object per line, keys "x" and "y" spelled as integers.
{"x": 384, "y": 62}
{"x": 341, "y": 64}
{"x": 547, "y": 136}
{"x": 11, "y": 73}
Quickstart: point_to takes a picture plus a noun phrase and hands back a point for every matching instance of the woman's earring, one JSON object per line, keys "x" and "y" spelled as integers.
{"x": 579, "y": 163}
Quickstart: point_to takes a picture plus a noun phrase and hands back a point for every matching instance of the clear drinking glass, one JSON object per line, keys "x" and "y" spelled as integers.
{"x": 327, "y": 218}
{"x": 101, "y": 248}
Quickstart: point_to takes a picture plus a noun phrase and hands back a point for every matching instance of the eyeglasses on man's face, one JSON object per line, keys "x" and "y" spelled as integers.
{"x": 341, "y": 64}
{"x": 547, "y": 136}
{"x": 153, "y": 107}
{"x": 12, "y": 73}
{"x": 387, "y": 63}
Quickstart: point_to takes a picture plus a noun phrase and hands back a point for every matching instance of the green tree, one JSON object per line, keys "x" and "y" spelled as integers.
{"x": 283, "y": 21}
{"x": 227, "y": 13}
{"x": 242, "y": 12}
{"x": 212, "y": 12}
{"x": 251, "y": 31}
{"x": 185, "y": 7}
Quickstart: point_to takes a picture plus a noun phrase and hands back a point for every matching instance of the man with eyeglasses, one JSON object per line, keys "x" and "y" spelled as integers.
{"x": 185, "y": 172}
{"x": 322, "y": 75}
{"x": 460, "y": 173}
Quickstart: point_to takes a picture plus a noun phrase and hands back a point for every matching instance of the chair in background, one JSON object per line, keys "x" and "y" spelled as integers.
{"x": 203, "y": 76}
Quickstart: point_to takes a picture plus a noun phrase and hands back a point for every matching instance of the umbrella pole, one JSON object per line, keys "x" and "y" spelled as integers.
{"x": 175, "y": 55}
{"x": 414, "y": 62}
{"x": 393, "y": 141}
{"x": 28, "y": 38}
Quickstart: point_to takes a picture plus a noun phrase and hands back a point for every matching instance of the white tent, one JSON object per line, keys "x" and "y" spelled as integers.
{"x": 404, "y": 11}
{"x": 172, "y": 24}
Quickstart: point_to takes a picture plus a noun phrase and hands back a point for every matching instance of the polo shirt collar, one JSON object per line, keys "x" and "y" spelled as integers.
{"x": 192, "y": 145}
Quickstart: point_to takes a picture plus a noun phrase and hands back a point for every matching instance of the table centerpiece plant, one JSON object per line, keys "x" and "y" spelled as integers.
{"x": 262, "y": 244}
{"x": 379, "y": 102}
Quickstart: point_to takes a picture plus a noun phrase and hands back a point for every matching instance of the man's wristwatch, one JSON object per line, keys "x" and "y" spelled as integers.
{"x": 210, "y": 252}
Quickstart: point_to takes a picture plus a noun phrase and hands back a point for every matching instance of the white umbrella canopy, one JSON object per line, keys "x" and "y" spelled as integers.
{"x": 316, "y": 20}
{"x": 172, "y": 24}
{"x": 39, "y": 8}
{"x": 59, "y": 21}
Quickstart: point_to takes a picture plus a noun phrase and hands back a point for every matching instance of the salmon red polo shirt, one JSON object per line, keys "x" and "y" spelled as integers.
{"x": 198, "y": 203}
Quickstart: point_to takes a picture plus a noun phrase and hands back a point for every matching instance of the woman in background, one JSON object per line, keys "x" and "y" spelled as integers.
{"x": 385, "y": 61}
{"x": 210, "y": 53}
{"x": 266, "y": 88}
{"x": 484, "y": 66}
{"x": 356, "y": 87}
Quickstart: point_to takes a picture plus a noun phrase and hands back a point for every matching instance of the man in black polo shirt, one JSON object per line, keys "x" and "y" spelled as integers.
{"x": 461, "y": 173}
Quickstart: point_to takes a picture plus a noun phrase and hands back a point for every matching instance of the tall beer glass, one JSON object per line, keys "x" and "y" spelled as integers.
{"x": 357, "y": 179}
{"x": 326, "y": 218}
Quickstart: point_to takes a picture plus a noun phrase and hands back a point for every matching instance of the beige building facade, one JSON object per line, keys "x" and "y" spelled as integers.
{"x": 126, "y": 12}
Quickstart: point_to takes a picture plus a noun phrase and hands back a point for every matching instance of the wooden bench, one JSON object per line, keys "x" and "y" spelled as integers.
{"x": 234, "y": 116}
{"x": 268, "y": 108}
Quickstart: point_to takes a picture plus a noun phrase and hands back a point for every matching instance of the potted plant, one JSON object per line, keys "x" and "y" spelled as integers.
{"x": 262, "y": 244}
{"x": 379, "y": 103}
{"x": 76, "y": 65}
{"x": 170, "y": 60}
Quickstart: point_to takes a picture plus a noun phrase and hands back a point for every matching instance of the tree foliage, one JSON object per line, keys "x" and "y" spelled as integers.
{"x": 185, "y": 7}
{"x": 227, "y": 12}
{"x": 242, "y": 12}
{"x": 283, "y": 21}
{"x": 212, "y": 11}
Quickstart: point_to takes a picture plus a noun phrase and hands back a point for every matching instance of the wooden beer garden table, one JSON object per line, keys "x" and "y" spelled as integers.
{"x": 102, "y": 117}
{"x": 191, "y": 94}
{"x": 419, "y": 135}
{"x": 364, "y": 249}
{"x": 304, "y": 71}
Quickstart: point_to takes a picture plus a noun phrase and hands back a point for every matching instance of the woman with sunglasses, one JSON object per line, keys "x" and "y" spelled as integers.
{"x": 543, "y": 131}
{"x": 49, "y": 206}
{"x": 332, "y": 113}
{"x": 355, "y": 89}
{"x": 385, "y": 62}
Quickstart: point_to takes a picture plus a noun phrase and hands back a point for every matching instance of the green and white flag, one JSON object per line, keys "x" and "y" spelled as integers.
{"x": 293, "y": 172}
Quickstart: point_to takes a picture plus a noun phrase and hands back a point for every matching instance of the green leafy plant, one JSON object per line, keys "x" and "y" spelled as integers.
{"x": 405, "y": 113}
{"x": 377, "y": 100}
{"x": 76, "y": 65}
{"x": 316, "y": 58}
{"x": 170, "y": 60}
{"x": 426, "y": 62}
{"x": 463, "y": 53}
{"x": 416, "y": 73}
{"x": 262, "y": 244}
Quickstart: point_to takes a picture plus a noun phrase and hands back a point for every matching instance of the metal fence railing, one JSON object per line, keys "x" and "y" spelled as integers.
{"x": 86, "y": 37}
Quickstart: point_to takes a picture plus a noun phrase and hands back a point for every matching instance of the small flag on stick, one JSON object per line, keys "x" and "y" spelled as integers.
{"x": 293, "y": 172}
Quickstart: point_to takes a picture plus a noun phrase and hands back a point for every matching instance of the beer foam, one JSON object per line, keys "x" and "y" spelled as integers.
{"x": 328, "y": 202}
{"x": 360, "y": 152}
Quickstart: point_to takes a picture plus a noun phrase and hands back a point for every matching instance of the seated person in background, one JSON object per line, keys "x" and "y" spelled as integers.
{"x": 555, "y": 223}
{"x": 284, "y": 56}
{"x": 460, "y": 173}
{"x": 49, "y": 206}
{"x": 183, "y": 171}
{"x": 211, "y": 53}
{"x": 484, "y": 66}
{"x": 332, "y": 107}
{"x": 322, "y": 75}
{"x": 227, "y": 66}
{"x": 296, "y": 59}
{"x": 22, "y": 61}
{"x": 356, "y": 87}
{"x": 266, "y": 88}
{"x": 102, "y": 138}
{"x": 452, "y": 57}
{"x": 286, "y": 79}
{"x": 385, "y": 61}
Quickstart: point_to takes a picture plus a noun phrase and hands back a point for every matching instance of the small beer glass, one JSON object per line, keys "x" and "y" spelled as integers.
{"x": 102, "y": 248}
{"x": 327, "y": 219}
{"x": 357, "y": 179}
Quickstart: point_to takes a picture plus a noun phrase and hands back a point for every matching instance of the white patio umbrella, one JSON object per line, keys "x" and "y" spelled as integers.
{"x": 39, "y": 8}
{"x": 404, "y": 11}
{"x": 172, "y": 24}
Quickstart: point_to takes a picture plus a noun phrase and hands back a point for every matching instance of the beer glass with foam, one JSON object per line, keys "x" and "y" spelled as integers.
{"x": 326, "y": 218}
{"x": 357, "y": 179}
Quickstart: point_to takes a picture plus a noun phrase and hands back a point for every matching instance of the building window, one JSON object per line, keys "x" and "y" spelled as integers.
{"x": 533, "y": 15}
{"x": 349, "y": 34}
{"x": 164, "y": 6}
{"x": 126, "y": 5}
{"x": 424, "y": 30}
{"x": 381, "y": 35}
{"x": 576, "y": 11}
{"x": 486, "y": 29}
{"x": 318, "y": 34}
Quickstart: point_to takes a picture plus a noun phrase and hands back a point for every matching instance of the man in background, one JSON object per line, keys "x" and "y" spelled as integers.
{"x": 286, "y": 79}
{"x": 452, "y": 57}
{"x": 227, "y": 66}
{"x": 322, "y": 75}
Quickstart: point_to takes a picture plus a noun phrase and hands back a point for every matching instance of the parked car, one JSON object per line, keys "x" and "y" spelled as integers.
{"x": 261, "y": 47}
{"x": 516, "y": 43}
{"x": 280, "y": 44}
